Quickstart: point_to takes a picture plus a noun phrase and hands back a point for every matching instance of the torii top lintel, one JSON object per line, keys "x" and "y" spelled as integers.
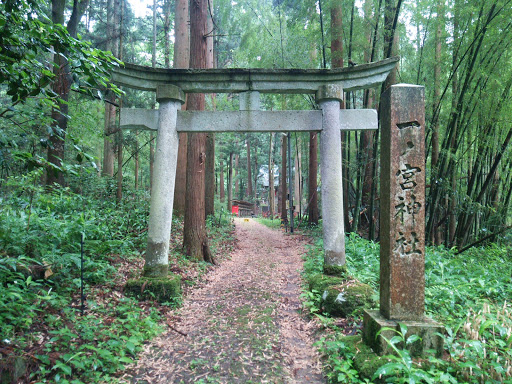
{"x": 228, "y": 80}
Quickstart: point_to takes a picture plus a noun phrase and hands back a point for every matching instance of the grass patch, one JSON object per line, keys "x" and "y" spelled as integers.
{"x": 275, "y": 223}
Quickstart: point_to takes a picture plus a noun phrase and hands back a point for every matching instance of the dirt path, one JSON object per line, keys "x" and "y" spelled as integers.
{"x": 242, "y": 325}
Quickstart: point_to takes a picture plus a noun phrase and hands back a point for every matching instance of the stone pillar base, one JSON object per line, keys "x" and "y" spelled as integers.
{"x": 427, "y": 330}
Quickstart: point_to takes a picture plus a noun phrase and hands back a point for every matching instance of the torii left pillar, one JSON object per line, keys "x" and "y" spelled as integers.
{"x": 170, "y": 99}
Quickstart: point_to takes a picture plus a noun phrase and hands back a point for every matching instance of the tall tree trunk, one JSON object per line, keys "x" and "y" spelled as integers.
{"x": 271, "y": 193}
{"x": 167, "y": 33}
{"x": 255, "y": 174}
{"x": 136, "y": 159}
{"x": 237, "y": 179}
{"x": 119, "y": 6}
{"x": 437, "y": 99}
{"x": 230, "y": 182}
{"x": 62, "y": 87}
{"x": 221, "y": 182}
{"x": 249, "y": 174}
{"x": 210, "y": 174}
{"x": 181, "y": 60}
{"x": 153, "y": 46}
{"x": 210, "y": 136}
{"x": 195, "y": 241}
{"x": 368, "y": 136}
{"x": 391, "y": 13}
{"x": 152, "y": 137}
{"x": 437, "y": 83}
{"x": 297, "y": 188}
{"x": 337, "y": 62}
{"x": 282, "y": 184}
{"x": 313, "y": 213}
{"x": 452, "y": 224}
{"x": 151, "y": 159}
{"x": 110, "y": 110}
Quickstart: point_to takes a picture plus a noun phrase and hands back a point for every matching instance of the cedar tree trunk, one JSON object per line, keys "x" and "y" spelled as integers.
{"x": 313, "y": 213}
{"x": 181, "y": 60}
{"x": 195, "y": 241}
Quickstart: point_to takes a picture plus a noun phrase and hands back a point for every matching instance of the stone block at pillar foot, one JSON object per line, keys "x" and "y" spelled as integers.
{"x": 427, "y": 329}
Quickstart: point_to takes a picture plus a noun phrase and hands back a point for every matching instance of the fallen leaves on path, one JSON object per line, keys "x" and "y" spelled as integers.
{"x": 243, "y": 323}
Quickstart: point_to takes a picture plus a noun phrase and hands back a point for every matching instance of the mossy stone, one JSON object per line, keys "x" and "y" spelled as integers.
{"x": 159, "y": 289}
{"x": 320, "y": 282}
{"x": 366, "y": 362}
{"x": 16, "y": 368}
{"x": 335, "y": 270}
{"x": 348, "y": 298}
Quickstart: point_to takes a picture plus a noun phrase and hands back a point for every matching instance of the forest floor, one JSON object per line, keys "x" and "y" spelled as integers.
{"x": 243, "y": 323}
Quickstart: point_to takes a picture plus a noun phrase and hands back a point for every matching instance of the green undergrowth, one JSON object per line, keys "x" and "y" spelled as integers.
{"x": 275, "y": 223}
{"x": 221, "y": 240}
{"x": 468, "y": 293}
{"x": 42, "y": 328}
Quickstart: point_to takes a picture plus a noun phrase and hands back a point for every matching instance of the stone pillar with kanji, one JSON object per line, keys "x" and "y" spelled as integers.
{"x": 402, "y": 224}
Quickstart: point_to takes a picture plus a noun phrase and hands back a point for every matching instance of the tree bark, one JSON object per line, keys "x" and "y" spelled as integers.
{"x": 181, "y": 60}
{"x": 391, "y": 12}
{"x": 313, "y": 213}
{"x": 151, "y": 159}
{"x": 210, "y": 137}
{"x": 136, "y": 159}
{"x": 62, "y": 87}
{"x": 282, "y": 184}
{"x": 167, "y": 33}
{"x": 110, "y": 110}
{"x": 118, "y": 19}
{"x": 337, "y": 62}
{"x": 255, "y": 175}
{"x": 237, "y": 180}
{"x": 230, "y": 183}
{"x": 210, "y": 174}
{"x": 153, "y": 45}
{"x": 367, "y": 137}
{"x": 297, "y": 187}
{"x": 436, "y": 105}
{"x": 271, "y": 194}
{"x": 249, "y": 173}
{"x": 195, "y": 241}
{"x": 221, "y": 182}
{"x": 452, "y": 224}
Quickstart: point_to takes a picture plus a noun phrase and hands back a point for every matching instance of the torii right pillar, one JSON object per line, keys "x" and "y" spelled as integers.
{"x": 402, "y": 225}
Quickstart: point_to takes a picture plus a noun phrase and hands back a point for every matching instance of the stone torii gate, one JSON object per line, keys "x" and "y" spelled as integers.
{"x": 171, "y": 85}
{"x": 402, "y": 281}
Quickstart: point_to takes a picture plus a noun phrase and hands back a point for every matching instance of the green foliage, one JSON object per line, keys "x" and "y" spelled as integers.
{"x": 276, "y": 223}
{"x": 401, "y": 367}
{"x": 40, "y": 278}
{"x": 481, "y": 346}
{"x": 90, "y": 349}
{"x": 468, "y": 293}
{"x": 349, "y": 359}
{"x": 220, "y": 229}
{"x": 340, "y": 361}
{"x": 28, "y": 38}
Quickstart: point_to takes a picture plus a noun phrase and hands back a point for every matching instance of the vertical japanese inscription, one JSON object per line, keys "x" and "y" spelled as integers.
{"x": 402, "y": 204}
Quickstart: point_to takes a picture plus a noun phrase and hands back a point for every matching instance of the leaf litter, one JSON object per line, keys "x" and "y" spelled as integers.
{"x": 242, "y": 323}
